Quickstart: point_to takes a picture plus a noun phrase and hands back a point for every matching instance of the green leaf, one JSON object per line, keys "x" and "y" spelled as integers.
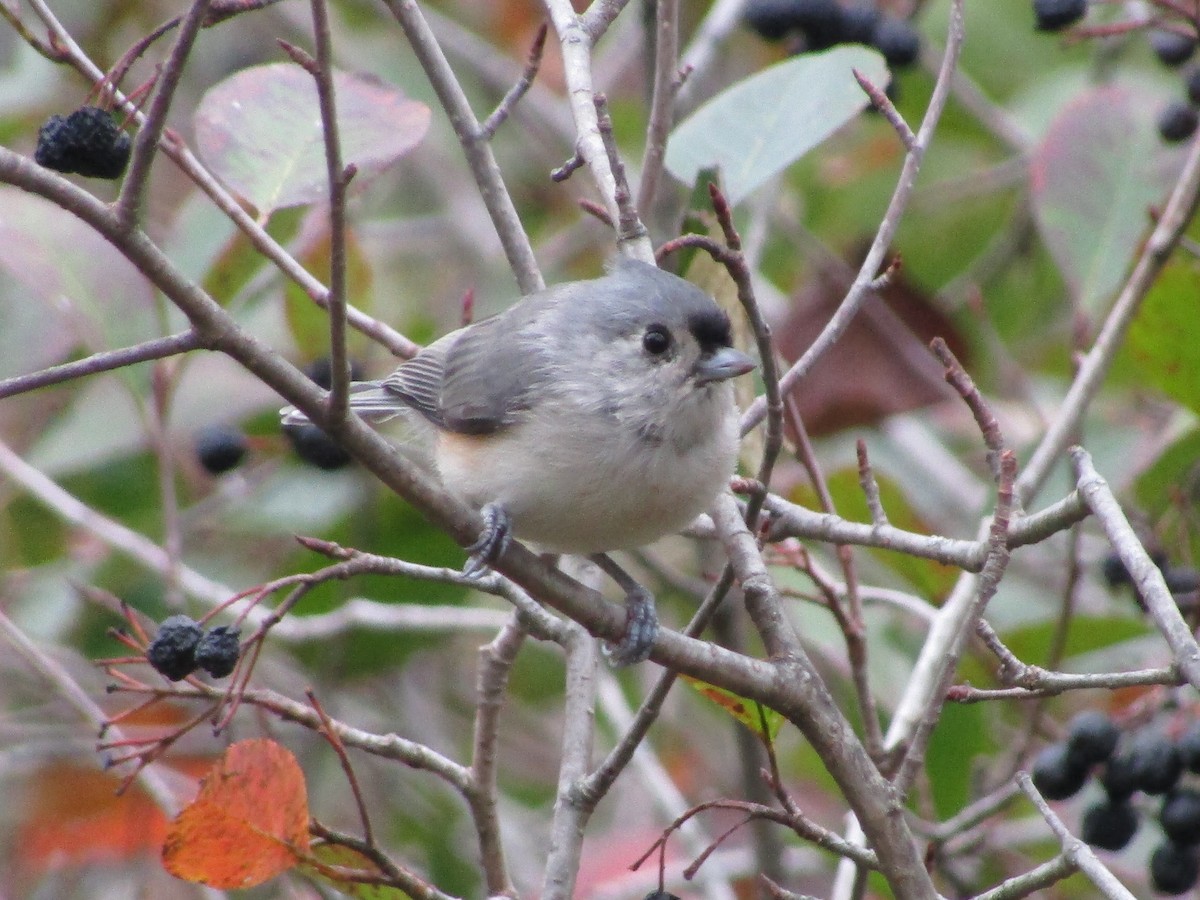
{"x": 260, "y": 131}
{"x": 1095, "y": 175}
{"x": 1173, "y": 479}
{"x": 750, "y": 713}
{"x": 1162, "y": 344}
{"x": 761, "y": 125}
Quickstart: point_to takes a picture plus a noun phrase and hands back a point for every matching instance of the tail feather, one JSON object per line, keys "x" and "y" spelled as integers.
{"x": 374, "y": 403}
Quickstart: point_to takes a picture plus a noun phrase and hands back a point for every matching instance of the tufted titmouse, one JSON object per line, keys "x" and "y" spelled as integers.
{"x": 587, "y": 417}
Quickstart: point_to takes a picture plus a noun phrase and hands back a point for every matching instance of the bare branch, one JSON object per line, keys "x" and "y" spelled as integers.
{"x": 1076, "y": 852}
{"x": 480, "y": 160}
{"x": 158, "y": 348}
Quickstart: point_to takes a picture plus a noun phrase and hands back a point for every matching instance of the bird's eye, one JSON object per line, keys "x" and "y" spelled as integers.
{"x": 656, "y": 340}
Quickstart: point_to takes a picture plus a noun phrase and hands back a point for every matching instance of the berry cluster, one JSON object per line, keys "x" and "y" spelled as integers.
{"x": 1147, "y": 762}
{"x": 87, "y": 142}
{"x": 825, "y": 23}
{"x": 1173, "y": 42}
{"x": 181, "y": 647}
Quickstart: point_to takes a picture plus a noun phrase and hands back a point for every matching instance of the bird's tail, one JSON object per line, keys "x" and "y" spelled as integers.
{"x": 367, "y": 398}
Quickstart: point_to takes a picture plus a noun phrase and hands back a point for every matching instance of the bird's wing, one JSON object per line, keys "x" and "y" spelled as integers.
{"x": 488, "y": 377}
{"x": 418, "y": 382}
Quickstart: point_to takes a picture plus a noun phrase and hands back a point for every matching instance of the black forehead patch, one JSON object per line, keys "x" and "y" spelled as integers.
{"x": 710, "y": 328}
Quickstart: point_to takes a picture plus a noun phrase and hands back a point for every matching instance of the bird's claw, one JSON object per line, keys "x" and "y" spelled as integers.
{"x": 641, "y": 630}
{"x": 492, "y": 542}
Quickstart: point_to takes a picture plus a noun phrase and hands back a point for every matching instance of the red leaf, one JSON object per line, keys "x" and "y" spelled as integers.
{"x": 248, "y": 824}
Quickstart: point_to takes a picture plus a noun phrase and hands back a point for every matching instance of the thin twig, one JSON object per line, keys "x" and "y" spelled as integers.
{"x": 480, "y": 159}
{"x": 145, "y": 145}
{"x": 1076, "y": 851}
{"x": 327, "y": 731}
{"x": 106, "y": 361}
{"x": 495, "y": 665}
{"x": 487, "y": 130}
{"x": 662, "y": 102}
{"x": 1147, "y": 577}
{"x": 883, "y": 103}
{"x": 338, "y": 177}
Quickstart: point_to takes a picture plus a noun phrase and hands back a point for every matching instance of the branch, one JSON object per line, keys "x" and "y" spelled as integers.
{"x": 1076, "y": 851}
{"x": 495, "y": 664}
{"x": 159, "y": 348}
{"x": 576, "y": 44}
{"x": 571, "y": 811}
{"x": 129, "y": 204}
{"x": 480, "y": 159}
{"x": 1147, "y": 577}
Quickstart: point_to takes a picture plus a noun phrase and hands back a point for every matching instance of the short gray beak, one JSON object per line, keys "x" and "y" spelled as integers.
{"x": 724, "y": 363}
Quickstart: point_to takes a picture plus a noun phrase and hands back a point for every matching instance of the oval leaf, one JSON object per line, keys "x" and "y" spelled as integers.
{"x": 248, "y": 824}
{"x": 260, "y": 131}
{"x": 763, "y": 124}
{"x": 1095, "y": 175}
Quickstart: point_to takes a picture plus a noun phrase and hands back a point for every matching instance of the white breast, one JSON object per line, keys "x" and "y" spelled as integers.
{"x": 571, "y": 487}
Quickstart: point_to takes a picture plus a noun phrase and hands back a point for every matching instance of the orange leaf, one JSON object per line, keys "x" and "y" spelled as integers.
{"x": 248, "y": 824}
{"x": 73, "y": 817}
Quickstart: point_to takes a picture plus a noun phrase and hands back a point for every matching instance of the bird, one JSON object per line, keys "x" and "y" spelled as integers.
{"x": 589, "y": 417}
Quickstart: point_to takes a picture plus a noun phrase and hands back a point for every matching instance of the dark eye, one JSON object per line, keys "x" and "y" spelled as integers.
{"x": 657, "y": 340}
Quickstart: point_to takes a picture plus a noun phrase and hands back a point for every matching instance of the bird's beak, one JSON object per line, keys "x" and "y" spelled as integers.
{"x": 724, "y": 363}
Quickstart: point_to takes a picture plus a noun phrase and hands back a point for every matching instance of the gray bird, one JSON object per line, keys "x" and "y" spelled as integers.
{"x": 588, "y": 417}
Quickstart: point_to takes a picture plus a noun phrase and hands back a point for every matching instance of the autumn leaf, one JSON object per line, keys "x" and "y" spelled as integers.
{"x": 248, "y": 824}
{"x": 751, "y": 714}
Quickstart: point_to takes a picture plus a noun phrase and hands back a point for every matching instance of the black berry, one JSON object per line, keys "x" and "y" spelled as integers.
{"x": 172, "y": 652}
{"x": 1180, "y": 816}
{"x": 87, "y": 142}
{"x": 897, "y": 40}
{"x": 1189, "y": 748}
{"x": 1192, "y": 83}
{"x": 1177, "y": 121}
{"x": 1119, "y": 778}
{"x": 858, "y": 23}
{"x": 1181, "y": 579}
{"x": 217, "y": 652}
{"x": 771, "y": 19}
{"x": 54, "y": 150}
{"x": 1109, "y": 825}
{"x": 1055, "y": 776}
{"x": 220, "y": 448}
{"x": 821, "y": 22}
{"x": 321, "y": 371}
{"x": 1157, "y": 763}
{"x": 1092, "y": 738}
{"x": 1173, "y": 868}
{"x": 314, "y": 446}
{"x": 1114, "y": 571}
{"x": 1171, "y": 47}
{"x": 1055, "y": 15}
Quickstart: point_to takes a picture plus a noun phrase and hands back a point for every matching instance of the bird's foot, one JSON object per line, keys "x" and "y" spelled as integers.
{"x": 641, "y": 629}
{"x": 493, "y": 540}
